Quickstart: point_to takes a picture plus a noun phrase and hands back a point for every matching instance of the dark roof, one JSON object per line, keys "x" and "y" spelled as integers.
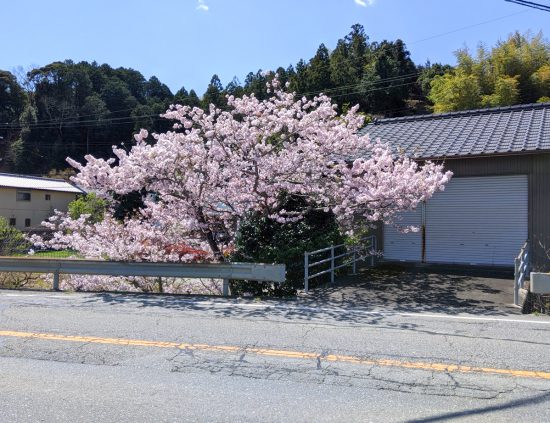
{"x": 501, "y": 130}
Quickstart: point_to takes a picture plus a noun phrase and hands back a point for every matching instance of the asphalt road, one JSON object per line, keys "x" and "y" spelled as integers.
{"x": 103, "y": 358}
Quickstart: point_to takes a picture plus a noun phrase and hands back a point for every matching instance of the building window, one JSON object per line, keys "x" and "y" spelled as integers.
{"x": 12, "y": 221}
{"x": 23, "y": 196}
{"x": 48, "y": 197}
{"x": 27, "y": 223}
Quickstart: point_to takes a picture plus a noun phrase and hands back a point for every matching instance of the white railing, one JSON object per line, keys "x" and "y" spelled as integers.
{"x": 226, "y": 271}
{"x": 521, "y": 270}
{"x": 351, "y": 255}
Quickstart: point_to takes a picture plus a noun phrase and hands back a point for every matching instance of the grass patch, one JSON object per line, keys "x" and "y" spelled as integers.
{"x": 55, "y": 254}
{"x": 50, "y": 254}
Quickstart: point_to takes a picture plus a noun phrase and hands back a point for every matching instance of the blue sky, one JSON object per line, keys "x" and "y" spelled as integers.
{"x": 184, "y": 42}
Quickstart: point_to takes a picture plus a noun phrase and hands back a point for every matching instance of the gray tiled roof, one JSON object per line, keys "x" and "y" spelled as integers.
{"x": 513, "y": 129}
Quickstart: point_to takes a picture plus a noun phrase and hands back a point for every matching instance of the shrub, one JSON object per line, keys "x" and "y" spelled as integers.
{"x": 12, "y": 241}
{"x": 264, "y": 240}
{"x": 88, "y": 204}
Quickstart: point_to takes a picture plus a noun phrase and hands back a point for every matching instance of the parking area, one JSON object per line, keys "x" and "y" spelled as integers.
{"x": 430, "y": 289}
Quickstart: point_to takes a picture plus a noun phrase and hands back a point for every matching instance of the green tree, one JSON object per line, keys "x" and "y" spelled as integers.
{"x": 541, "y": 82}
{"x": 23, "y": 150}
{"x": 12, "y": 241}
{"x": 514, "y": 71}
{"x": 234, "y": 88}
{"x": 520, "y": 56}
{"x": 427, "y": 73}
{"x": 187, "y": 98}
{"x": 347, "y": 63}
{"x": 318, "y": 71}
{"x": 285, "y": 74}
{"x": 255, "y": 83}
{"x": 156, "y": 91}
{"x": 134, "y": 81}
{"x": 506, "y": 92}
{"x": 299, "y": 80}
{"x": 263, "y": 240}
{"x": 458, "y": 91}
{"x": 214, "y": 94}
{"x": 12, "y": 98}
{"x": 89, "y": 204}
{"x": 387, "y": 78}
{"x": 193, "y": 99}
{"x": 117, "y": 96}
{"x": 358, "y": 48}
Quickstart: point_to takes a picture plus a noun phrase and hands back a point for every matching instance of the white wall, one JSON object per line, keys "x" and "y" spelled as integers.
{"x": 38, "y": 209}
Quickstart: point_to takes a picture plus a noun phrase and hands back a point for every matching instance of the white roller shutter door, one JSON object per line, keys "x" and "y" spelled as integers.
{"x": 478, "y": 220}
{"x": 404, "y": 246}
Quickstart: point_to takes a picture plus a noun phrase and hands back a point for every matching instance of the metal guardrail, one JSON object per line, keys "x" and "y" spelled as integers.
{"x": 521, "y": 270}
{"x": 226, "y": 271}
{"x": 368, "y": 242}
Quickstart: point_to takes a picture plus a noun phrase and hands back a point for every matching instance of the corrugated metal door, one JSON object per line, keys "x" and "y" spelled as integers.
{"x": 481, "y": 220}
{"x": 404, "y": 246}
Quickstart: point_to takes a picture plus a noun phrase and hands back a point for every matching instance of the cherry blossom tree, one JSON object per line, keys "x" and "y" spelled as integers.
{"x": 216, "y": 167}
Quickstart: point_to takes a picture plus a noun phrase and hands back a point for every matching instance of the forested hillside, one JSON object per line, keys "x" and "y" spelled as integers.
{"x": 71, "y": 109}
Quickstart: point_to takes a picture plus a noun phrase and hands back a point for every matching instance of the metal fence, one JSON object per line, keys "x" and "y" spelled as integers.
{"x": 226, "y": 271}
{"x": 521, "y": 270}
{"x": 339, "y": 256}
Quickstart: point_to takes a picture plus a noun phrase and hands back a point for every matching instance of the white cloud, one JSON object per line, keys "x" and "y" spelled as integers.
{"x": 204, "y": 7}
{"x": 364, "y": 3}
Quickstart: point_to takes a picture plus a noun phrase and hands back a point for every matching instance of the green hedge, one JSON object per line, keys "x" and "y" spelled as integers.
{"x": 12, "y": 241}
{"x": 263, "y": 240}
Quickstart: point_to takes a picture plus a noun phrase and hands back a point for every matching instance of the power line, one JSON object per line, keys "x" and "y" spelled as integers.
{"x": 83, "y": 123}
{"x": 131, "y": 119}
{"x": 52, "y": 123}
{"x": 375, "y": 89}
{"x": 531, "y": 4}
{"x": 326, "y": 91}
{"x": 379, "y": 81}
{"x": 86, "y": 115}
{"x": 467, "y": 27}
{"x": 48, "y": 124}
{"x": 415, "y": 42}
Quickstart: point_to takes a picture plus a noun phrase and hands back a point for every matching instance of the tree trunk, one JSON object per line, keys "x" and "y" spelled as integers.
{"x": 210, "y": 237}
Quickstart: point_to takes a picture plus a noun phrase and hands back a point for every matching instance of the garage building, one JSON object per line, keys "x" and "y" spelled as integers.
{"x": 499, "y": 197}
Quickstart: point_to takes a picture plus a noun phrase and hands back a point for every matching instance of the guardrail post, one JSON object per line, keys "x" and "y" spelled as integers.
{"x": 516, "y": 281}
{"x": 527, "y": 259}
{"x": 373, "y": 246}
{"x": 306, "y": 272}
{"x": 225, "y": 288}
{"x": 56, "y": 280}
{"x": 332, "y": 264}
{"x": 354, "y": 265}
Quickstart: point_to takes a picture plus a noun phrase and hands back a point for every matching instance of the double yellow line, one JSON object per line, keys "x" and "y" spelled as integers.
{"x": 436, "y": 367}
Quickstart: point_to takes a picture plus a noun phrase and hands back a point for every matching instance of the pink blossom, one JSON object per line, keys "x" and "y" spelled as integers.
{"x": 225, "y": 164}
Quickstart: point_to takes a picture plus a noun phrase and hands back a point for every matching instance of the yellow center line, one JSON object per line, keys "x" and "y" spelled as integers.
{"x": 436, "y": 367}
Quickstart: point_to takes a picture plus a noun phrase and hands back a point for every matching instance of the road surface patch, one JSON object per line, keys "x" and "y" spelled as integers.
{"x": 437, "y": 367}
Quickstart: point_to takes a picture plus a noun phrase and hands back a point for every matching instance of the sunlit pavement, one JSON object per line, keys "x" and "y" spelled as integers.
{"x": 109, "y": 357}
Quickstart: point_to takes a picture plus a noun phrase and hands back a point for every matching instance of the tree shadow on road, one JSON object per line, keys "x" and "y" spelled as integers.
{"x": 287, "y": 311}
{"x": 522, "y": 402}
{"x": 366, "y": 298}
{"x": 409, "y": 289}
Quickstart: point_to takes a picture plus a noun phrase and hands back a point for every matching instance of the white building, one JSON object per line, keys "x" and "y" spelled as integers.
{"x": 26, "y": 201}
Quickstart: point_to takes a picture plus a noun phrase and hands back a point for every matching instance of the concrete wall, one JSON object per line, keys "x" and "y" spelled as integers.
{"x": 37, "y": 209}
